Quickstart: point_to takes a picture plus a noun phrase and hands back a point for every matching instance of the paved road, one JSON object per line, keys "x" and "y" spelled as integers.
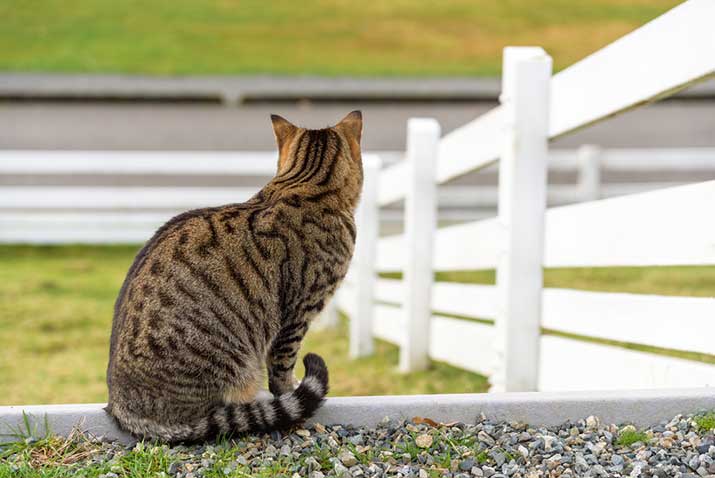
{"x": 196, "y": 126}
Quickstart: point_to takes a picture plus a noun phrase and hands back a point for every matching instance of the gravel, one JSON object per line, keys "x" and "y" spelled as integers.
{"x": 423, "y": 449}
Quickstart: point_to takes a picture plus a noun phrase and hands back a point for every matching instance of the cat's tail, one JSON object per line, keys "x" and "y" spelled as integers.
{"x": 280, "y": 413}
{"x": 259, "y": 416}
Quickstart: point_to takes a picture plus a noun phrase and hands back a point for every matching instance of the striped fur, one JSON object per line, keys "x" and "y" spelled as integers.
{"x": 219, "y": 295}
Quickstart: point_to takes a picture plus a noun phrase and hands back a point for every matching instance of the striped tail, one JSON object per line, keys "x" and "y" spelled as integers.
{"x": 280, "y": 413}
{"x": 259, "y": 416}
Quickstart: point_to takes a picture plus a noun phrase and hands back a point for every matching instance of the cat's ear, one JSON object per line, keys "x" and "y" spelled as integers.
{"x": 351, "y": 125}
{"x": 283, "y": 129}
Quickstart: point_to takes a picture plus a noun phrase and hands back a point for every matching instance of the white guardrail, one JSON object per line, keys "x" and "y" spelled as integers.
{"x": 672, "y": 226}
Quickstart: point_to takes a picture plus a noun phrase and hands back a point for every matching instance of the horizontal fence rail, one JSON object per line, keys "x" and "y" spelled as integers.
{"x": 664, "y": 227}
{"x": 634, "y": 318}
{"x": 55, "y": 212}
{"x": 173, "y": 163}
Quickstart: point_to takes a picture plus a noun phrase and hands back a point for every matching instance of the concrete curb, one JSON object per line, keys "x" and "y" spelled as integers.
{"x": 237, "y": 89}
{"x": 642, "y": 408}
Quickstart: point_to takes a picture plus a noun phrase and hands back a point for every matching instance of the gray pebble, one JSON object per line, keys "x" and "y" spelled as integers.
{"x": 467, "y": 464}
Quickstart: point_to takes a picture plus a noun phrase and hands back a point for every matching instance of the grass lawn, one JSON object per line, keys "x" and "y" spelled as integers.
{"x": 396, "y": 37}
{"x": 55, "y": 319}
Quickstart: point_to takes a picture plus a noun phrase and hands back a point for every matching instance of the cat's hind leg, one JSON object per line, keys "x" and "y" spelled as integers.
{"x": 247, "y": 390}
{"x": 282, "y": 357}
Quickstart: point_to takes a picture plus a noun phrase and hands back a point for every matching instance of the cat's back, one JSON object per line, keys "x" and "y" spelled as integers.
{"x": 193, "y": 252}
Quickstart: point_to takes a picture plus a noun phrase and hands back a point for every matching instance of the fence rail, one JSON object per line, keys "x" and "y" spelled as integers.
{"x": 54, "y": 212}
{"x": 681, "y": 323}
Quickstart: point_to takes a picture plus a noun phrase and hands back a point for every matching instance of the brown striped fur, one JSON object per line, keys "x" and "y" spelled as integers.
{"x": 221, "y": 294}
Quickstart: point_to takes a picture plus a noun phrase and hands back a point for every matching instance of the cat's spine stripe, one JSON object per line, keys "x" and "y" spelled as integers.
{"x": 334, "y": 161}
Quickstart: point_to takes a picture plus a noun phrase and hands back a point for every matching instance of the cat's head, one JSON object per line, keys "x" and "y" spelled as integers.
{"x": 320, "y": 159}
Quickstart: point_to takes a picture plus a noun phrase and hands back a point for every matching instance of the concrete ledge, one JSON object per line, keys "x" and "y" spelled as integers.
{"x": 642, "y": 408}
{"x": 237, "y": 89}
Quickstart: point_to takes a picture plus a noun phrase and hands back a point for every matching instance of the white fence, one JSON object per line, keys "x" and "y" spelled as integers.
{"x": 672, "y": 226}
{"x": 102, "y": 209}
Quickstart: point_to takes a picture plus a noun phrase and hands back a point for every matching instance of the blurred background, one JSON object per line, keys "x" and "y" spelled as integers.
{"x": 204, "y": 75}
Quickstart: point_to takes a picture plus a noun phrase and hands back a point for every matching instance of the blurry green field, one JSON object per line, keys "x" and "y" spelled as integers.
{"x": 55, "y": 318}
{"x": 395, "y": 37}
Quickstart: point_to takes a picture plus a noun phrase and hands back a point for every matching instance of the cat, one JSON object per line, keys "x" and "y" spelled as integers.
{"x": 218, "y": 295}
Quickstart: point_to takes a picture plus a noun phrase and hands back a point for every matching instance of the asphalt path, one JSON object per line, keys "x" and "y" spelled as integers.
{"x": 207, "y": 126}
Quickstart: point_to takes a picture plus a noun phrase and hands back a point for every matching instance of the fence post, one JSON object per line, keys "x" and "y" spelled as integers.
{"x": 522, "y": 204}
{"x": 420, "y": 224}
{"x": 589, "y": 177}
{"x": 368, "y": 226}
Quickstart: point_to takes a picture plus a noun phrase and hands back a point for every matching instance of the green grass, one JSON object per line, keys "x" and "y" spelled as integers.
{"x": 396, "y": 37}
{"x": 705, "y": 422}
{"x": 55, "y": 319}
{"x": 52, "y": 456}
{"x": 629, "y": 437}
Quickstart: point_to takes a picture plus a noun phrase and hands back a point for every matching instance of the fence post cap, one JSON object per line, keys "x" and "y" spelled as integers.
{"x": 423, "y": 126}
{"x": 523, "y": 53}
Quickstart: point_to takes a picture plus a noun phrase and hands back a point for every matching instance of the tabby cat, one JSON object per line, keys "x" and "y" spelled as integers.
{"x": 218, "y": 294}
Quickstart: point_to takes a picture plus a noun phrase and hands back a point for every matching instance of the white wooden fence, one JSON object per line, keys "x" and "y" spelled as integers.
{"x": 672, "y": 226}
{"x": 102, "y": 210}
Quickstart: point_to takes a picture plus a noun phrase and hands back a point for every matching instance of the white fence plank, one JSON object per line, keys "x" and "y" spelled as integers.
{"x": 655, "y": 60}
{"x": 557, "y": 194}
{"x": 81, "y": 197}
{"x": 176, "y": 163}
{"x": 470, "y": 300}
{"x": 573, "y": 365}
{"x": 90, "y": 228}
{"x": 663, "y": 227}
{"x": 658, "y": 159}
{"x": 666, "y": 227}
{"x": 464, "y": 246}
{"x": 67, "y": 236}
{"x": 683, "y": 323}
{"x": 464, "y": 344}
{"x": 639, "y": 159}
{"x": 390, "y": 324}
